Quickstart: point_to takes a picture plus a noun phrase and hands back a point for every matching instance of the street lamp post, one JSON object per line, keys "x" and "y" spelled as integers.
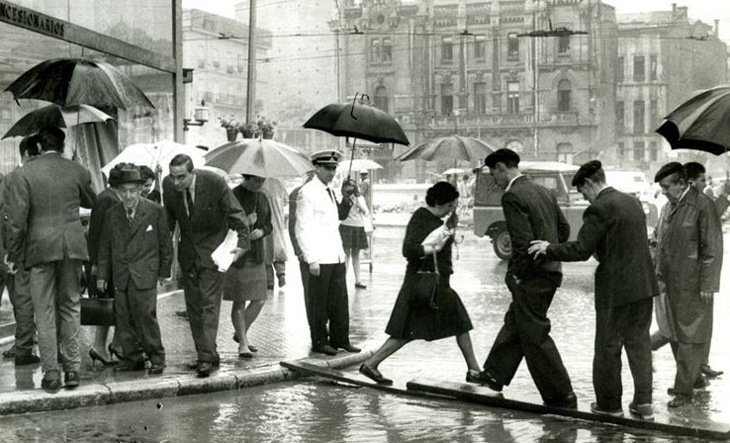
{"x": 251, "y": 77}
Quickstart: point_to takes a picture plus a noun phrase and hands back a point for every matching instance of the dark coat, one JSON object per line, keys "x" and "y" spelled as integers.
{"x": 140, "y": 251}
{"x": 255, "y": 202}
{"x": 104, "y": 201}
{"x": 215, "y": 210}
{"x": 532, "y": 213}
{"x": 45, "y": 225}
{"x": 690, "y": 259}
{"x": 614, "y": 228}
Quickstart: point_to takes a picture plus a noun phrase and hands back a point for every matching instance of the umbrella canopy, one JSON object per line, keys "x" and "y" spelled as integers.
{"x": 54, "y": 115}
{"x": 358, "y": 164}
{"x": 261, "y": 157}
{"x": 701, "y": 123}
{"x": 155, "y": 154}
{"x": 77, "y": 81}
{"x": 358, "y": 121}
{"x": 452, "y": 171}
{"x": 453, "y": 147}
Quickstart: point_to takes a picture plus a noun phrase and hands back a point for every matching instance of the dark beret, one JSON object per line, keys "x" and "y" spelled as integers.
{"x": 586, "y": 171}
{"x": 667, "y": 170}
{"x": 504, "y": 155}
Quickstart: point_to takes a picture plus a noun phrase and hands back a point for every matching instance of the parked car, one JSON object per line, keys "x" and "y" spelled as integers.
{"x": 556, "y": 177}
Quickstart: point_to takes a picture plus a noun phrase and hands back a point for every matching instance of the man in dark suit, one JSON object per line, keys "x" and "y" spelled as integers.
{"x": 531, "y": 213}
{"x": 614, "y": 229}
{"x": 204, "y": 208}
{"x": 47, "y": 237}
{"x": 17, "y": 280}
{"x": 136, "y": 249}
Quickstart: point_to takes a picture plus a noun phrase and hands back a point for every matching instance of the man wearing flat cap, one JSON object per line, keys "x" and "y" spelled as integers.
{"x": 614, "y": 229}
{"x": 318, "y": 216}
{"x": 688, "y": 263}
{"x": 135, "y": 249}
{"x": 531, "y": 213}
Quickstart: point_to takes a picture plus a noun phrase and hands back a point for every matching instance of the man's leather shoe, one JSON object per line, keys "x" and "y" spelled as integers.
{"x": 325, "y": 349}
{"x": 204, "y": 369}
{"x": 484, "y": 378}
{"x": 709, "y": 372}
{"x": 679, "y": 400}
{"x": 597, "y": 409}
{"x": 10, "y": 353}
{"x": 27, "y": 359}
{"x": 643, "y": 411}
{"x": 156, "y": 369}
{"x": 567, "y": 401}
{"x": 374, "y": 375}
{"x": 349, "y": 348}
{"x": 71, "y": 379}
{"x": 51, "y": 382}
{"x": 130, "y": 366}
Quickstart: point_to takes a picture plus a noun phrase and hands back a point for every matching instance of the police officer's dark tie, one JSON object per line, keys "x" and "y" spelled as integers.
{"x": 332, "y": 197}
{"x": 189, "y": 199}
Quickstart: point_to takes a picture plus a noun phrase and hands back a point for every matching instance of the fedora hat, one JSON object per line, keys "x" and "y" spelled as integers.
{"x": 130, "y": 176}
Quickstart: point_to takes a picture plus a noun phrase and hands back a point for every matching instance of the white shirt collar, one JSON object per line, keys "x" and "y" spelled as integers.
{"x": 509, "y": 185}
{"x": 684, "y": 193}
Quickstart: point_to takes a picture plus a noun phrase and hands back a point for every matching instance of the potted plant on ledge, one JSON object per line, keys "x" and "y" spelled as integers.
{"x": 232, "y": 127}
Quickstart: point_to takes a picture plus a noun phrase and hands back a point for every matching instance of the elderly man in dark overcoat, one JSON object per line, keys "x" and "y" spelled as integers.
{"x": 614, "y": 229}
{"x": 689, "y": 260}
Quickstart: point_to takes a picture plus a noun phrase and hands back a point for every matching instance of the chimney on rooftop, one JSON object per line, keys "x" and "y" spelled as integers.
{"x": 717, "y": 28}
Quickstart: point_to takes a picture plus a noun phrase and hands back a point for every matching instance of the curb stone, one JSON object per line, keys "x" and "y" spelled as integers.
{"x": 20, "y": 402}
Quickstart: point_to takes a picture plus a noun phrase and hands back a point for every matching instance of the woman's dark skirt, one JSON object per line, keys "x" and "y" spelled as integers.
{"x": 450, "y": 319}
{"x": 353, "y": 237}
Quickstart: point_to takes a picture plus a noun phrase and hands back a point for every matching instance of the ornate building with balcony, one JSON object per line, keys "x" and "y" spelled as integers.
{"x": 663, "y": 57}
{"x": 455, "y": 66}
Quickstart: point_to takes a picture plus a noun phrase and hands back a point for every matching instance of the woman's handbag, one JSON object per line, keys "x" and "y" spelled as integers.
{"x": 425, "y": 287}
{"x": 97, "y": 311}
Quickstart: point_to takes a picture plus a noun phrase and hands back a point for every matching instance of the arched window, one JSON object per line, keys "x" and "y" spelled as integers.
{"x": 564, "y": 91}
{"x": 381, "y": 98}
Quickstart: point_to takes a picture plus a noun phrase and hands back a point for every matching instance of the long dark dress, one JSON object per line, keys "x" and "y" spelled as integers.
{"x": 450, "y": 318}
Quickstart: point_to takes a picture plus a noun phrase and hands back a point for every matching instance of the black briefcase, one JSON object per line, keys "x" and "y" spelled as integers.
{"x": 97, "y": 311}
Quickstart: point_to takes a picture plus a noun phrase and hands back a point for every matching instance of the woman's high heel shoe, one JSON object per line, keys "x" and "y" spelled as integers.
{"x": 95, "y": 356}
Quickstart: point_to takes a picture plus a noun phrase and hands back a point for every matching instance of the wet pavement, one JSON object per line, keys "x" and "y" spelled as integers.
{"x": 320, "y": 411}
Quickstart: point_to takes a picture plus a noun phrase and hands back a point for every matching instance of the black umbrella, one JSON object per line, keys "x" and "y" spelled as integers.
{"x": 358, "y": 120}
{"x": 701, "y": 123}
{"x": 77, "y": 81}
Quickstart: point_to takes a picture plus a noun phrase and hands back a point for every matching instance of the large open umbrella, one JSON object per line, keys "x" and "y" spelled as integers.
{"x": 156, "y": 155}
{"x": 453, "y": 147}
{"x": 701, "y": 123}
{"x": 54, "y": 115}
{"x": 78, "y": 81}
{"x": 358, "y": 121}
{"x": 261, "y": 157}
{"x": 358, "y": 164}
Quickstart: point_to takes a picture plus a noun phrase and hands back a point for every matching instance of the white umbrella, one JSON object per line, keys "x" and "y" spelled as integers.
{"x": 358, "y": 164}
{"x": 451, "y": 171}
{"x": 261, "y": 157}
{"x": 156, "y": 154}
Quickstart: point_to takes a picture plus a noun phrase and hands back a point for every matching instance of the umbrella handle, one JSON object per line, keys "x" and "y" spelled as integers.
{"x": 352, "y": 157}
{"x": 352, "y": 108}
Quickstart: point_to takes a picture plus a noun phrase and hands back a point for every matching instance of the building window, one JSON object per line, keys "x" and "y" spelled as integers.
{"x": 564, "y": 91}
{"x": 565, "y": 152}
{"x": 201, "y": 63}
{"x": 386, "y": 51}
{"x": 564, "y": 45}
{"x": 653, "y": 151}
{"x": 447, "y": 50}
{"x": 620, "y": 125}
{"x": 375, "y": 50}
{"x": 639, "y": 120}
{"x": 620, "y": 70}
{"x": 639, "y": 151}
{"x": 639, "y": 69}
{"x": 513, "y": 97}
{"x": 447, "y": 99}
{"x": 621, "y": 150}
{"x": 480, "y": 47}
{"x": 653, "y": 113}
{"x": 381, "y": 98}
{"x": 653, "y": 68}
{"x": 513, "y": 46}
{"x": 480, "y": 98}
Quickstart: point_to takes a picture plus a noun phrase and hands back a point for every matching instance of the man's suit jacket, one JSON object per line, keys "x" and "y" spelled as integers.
{"x": 532, "y": 213}
{"x": 140, "y": 250}
{"x": 215, "y": 210}
{"x": 44, "y": 220}
{"x": 104, "y": 201}
{"x": 614, "y": 228}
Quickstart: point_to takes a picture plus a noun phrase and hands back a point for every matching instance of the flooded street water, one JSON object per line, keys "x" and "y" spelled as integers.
{"x": 318, "y": 410}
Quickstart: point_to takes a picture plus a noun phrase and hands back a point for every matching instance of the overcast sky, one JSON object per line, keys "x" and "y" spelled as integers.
{"x": 705, "y": 10}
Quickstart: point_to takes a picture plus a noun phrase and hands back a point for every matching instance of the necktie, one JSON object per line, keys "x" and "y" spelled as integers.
{"x": 130, "y": 215}
{"x": 332, "y": 197}
{"x": 189, "y": 199}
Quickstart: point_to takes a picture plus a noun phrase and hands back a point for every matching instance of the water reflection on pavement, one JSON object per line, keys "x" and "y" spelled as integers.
{"x": 317, "y": 410}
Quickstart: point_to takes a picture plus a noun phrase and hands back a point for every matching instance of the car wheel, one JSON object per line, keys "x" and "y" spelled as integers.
{"x": 502, "y": 245}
